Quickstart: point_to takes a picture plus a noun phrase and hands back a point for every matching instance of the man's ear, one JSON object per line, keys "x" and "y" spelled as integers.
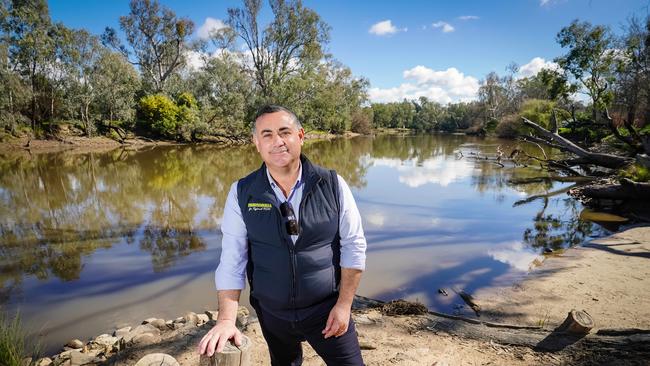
{"x": 301, "y": 135}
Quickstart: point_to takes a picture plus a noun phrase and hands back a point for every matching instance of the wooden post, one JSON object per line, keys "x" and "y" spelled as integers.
{"x": 231, "y": 355}
{"x": 577, "y": 322}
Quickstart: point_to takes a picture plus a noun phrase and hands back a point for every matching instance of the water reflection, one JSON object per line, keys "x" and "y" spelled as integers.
{"x": 107, "y": 237}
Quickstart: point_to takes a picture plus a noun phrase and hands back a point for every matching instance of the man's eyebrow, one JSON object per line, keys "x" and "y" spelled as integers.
{"x": 266, "y": 130}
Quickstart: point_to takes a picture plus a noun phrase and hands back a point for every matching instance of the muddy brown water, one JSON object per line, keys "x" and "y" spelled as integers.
{"x": 93, "y": 241}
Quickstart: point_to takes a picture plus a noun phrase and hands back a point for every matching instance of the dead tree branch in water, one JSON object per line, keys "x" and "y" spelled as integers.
{"x": 556, "y": 140}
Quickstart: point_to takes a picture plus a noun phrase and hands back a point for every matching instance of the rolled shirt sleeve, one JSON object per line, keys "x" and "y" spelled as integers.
{"x": 231, "y": 272}
{"x": 353, "y": 240}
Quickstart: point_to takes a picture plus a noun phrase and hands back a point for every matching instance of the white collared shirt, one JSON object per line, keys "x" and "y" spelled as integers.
{"x": 231, "y": 272}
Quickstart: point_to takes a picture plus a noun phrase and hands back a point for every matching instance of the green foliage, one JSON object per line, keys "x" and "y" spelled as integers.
{"x": 159, "y": 113}
{"x": 13, "y": 342}
{"x": 637, "y": 173}
{"x": 186, "y": 99}
{"x": 590, "y": 60}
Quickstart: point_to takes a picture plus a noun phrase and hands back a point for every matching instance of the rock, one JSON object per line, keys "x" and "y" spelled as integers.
{"x": 157, "y": 359}
{"x": 366, "y": 345}
{"x": 149, "y": 320}
{"x": 212, "y": 315}
{"x": 140, "y": 329}
{"x": 77, "y": 358}
{"x": 145, "y": 339}
{"x": 107, "y": 342}
{"x": 119, "y": 333}
{"x": 169, "y": 324}
{"x": 202, "y": 319}
{"x": 191, "y": 317}
{"x": 362, "y": 319}
{"x": 159, "y": 323}
{"x": 26, "y": 361}
{"x": 242, "y": 317}
{"x": 45, "y": 361}
{"x": 179, "y": 320}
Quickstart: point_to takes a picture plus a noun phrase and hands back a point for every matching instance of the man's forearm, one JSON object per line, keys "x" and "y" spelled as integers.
{"x": 228, "y": 305}
{"x": 349, "y": 282}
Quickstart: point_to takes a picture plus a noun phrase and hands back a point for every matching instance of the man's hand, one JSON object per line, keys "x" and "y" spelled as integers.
{"x": 338, "y": 321}
{"x": 218, "y": 336}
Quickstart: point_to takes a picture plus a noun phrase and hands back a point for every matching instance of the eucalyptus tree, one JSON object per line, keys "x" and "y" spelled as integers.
{"x": 115, "y": 82}
{"x": 590, "y": 60}
{"x": 295, "y": 38}
{"x": 158, "y": 41}
{"x": 25, "y": 26}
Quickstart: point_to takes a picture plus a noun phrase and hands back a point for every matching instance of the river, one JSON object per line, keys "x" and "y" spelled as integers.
{"x": 93, "y": 241}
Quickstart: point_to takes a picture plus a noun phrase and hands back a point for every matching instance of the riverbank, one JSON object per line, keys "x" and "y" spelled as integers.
{"x": 103, "y": 143}
{"x": 607, "y": 277}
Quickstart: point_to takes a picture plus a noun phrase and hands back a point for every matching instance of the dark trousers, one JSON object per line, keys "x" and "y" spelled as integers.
{"x": 284, "y": 340}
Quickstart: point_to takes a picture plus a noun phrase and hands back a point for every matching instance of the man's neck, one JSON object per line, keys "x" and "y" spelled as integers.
{"x": 285, "y": 177}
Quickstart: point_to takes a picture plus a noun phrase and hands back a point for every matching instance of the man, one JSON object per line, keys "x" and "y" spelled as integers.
{"x": 294, "y": 229}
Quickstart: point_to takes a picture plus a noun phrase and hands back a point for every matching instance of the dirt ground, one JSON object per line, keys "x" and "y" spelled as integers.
{"x": 609, "y": 278}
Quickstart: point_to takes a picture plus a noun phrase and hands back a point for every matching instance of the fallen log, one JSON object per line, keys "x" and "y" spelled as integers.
{"x": 551, "y": 178}
{"x": 604, "y": 160}
{"x": 627, "y": 189}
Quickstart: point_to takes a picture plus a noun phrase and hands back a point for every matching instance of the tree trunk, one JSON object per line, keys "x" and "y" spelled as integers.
{"x": 604, "y": 160}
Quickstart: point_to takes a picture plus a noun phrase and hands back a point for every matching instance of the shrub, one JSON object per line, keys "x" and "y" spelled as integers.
{"x": 159, "y": 113}
{"x": 510, "y": 126}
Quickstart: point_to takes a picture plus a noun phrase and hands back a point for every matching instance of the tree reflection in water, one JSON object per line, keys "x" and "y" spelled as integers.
{"x": 59, "y": 208}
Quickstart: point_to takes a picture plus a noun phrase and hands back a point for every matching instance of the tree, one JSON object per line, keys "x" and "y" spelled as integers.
{"x": 294, "y": 39}
{"x": 427, "y": 115}
{"x": 590, "y": 60}
{"x": 26, "y": 26}
{"x": 116, "y": 82}
{"x": 632, "y": 90}
{"x": 86, "y": 52}
{"x": 224, "y": 94}
{"x": 158, "y": 41}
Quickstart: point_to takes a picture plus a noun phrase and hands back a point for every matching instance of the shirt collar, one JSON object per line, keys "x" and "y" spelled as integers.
{"x": 274, "y": 185}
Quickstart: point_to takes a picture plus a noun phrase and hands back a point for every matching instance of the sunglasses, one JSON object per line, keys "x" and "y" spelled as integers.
{"x": 290, "y": 216}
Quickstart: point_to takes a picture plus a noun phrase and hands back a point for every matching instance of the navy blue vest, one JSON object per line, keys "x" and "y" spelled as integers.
{"x": 284, "y": 276}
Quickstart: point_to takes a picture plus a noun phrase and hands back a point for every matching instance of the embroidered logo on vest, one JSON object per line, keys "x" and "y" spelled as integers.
{"x": 259, "y": 206}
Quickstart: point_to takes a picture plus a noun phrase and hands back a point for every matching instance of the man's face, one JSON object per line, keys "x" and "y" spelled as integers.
{"x": 278, "y": 139}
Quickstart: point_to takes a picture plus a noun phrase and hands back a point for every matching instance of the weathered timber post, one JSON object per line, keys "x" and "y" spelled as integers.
{"x": 231, "y": 355}
{"x": 577, "y": 322}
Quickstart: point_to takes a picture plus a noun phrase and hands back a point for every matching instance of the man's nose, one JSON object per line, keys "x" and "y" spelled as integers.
{"x": 277, "y": 140}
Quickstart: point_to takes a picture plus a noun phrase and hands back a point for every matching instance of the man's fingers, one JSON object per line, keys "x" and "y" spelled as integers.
{"x": 330, "y": 320}
{"x": 222, "y": 343}
{"x": 333, "y": 329}
{"x": 212, "y": 345}
{"x": 238, "y": 339}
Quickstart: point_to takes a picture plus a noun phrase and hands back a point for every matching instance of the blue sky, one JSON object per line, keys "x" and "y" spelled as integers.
{"x": 418, "y": 47}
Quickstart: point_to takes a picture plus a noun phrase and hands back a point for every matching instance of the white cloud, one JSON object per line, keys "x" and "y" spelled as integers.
{"x": 544, "y": 2}
{"x": 210, "y": 25}
{"x": 446, "y": 27}
{"x": 515, "y": 254}
{"x": 534, "y": 66}
{"x": 385, "y": 27}
{"x": 437, "y": 170}
{"x": 468, "y": 17}
{"x": 443, "y": 87}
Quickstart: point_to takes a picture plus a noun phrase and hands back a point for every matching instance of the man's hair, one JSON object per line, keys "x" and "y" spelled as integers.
{"x": 272, "y": 108}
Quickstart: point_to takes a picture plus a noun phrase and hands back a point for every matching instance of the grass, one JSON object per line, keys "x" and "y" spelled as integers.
{"x": 14, "y": 342}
